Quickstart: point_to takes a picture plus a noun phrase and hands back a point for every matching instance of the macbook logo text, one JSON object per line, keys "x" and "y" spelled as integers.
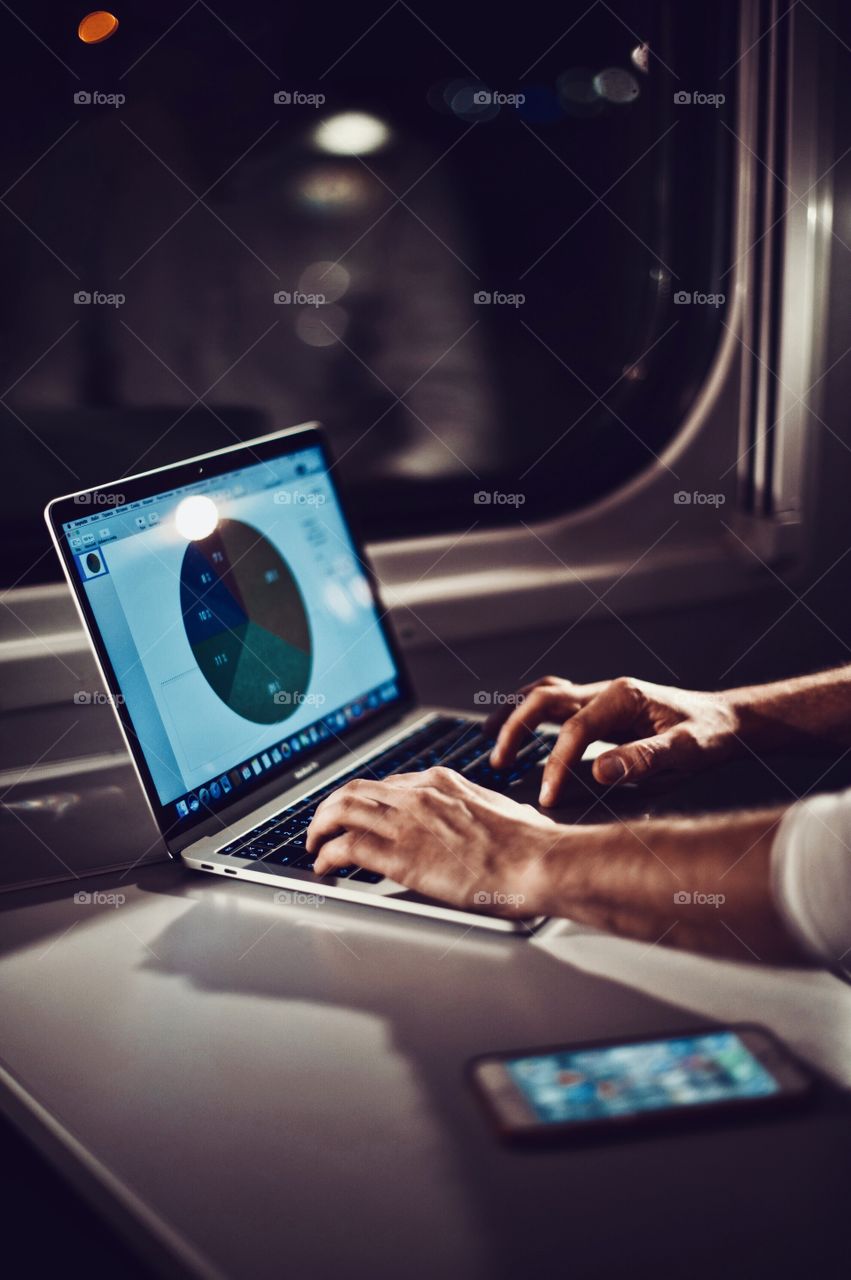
{"x": 305, "y": 769}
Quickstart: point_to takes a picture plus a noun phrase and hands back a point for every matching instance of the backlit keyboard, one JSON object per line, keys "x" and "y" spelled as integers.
{"x": 452, "y": 742}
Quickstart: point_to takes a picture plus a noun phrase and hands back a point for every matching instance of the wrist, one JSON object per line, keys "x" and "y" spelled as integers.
{"x": 756, "y": 729}
{"x": 562, "y": 874}
{"x": 743, "y": 719}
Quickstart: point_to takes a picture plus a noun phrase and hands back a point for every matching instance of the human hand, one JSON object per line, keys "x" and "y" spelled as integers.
{"x": 661, "y": 728}
{"x": 440, "y": 834}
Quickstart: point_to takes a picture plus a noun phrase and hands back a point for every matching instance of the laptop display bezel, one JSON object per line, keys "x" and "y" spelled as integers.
{"x": 178, "y": 833}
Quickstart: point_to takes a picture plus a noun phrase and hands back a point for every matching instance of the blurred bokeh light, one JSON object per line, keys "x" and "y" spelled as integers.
{"x": 351, "y": 133}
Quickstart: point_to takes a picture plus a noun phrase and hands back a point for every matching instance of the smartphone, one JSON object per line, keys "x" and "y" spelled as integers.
{"x": 612, "y": 1086}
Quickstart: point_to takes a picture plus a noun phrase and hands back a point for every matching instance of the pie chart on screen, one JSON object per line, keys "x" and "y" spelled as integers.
{"x": 246, "y": 622}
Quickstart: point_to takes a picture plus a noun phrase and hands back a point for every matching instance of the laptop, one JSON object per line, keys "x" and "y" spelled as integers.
{"x": 249, "y": 662}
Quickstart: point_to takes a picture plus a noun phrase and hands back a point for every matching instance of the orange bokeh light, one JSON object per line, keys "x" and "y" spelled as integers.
{"x": 97, "y": 26}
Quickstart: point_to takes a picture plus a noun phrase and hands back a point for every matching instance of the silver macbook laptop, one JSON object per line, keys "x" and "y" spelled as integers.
{"x": 237, "y": 628}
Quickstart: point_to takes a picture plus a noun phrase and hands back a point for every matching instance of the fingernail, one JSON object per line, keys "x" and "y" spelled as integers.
{"x": 611, "y": 769}
{"x": 548, "y": 793}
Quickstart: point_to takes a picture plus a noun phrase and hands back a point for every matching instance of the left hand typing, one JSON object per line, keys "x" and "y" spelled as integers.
{"x": 442, "y": 835}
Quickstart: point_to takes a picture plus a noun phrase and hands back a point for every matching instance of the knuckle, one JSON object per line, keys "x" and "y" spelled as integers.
{"x": 417, "y": 802}
{"x": 627, "y": 687}
{"x": 441, "y": 775}
{"x": 457, "y": 805}
{"x": 431, "y": 798}
{"x": 643, "y": 755}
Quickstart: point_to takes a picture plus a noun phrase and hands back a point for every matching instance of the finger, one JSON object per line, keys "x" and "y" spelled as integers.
{"x": 334, "y": 853}
{"x": 497, "y": 718}
{"x": 597, "y": 719}
{"x": 346, "y": 813}
{"x": 637, "y": 760}
{"x": 361, "y": 849}
{"x": 521, "y": 723}
{"x": 565, "y": 690}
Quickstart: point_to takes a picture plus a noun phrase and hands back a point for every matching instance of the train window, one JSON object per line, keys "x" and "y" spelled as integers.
{"x": 486, "y": 252}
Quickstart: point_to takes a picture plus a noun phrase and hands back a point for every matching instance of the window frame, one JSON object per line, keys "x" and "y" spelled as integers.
{"x": 459, "y": 586}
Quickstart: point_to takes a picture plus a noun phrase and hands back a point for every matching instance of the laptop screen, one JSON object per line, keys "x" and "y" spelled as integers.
{"x": 239, "y": 623}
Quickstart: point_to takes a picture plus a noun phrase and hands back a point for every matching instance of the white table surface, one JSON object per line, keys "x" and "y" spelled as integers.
{"x": 278, "y": 1090}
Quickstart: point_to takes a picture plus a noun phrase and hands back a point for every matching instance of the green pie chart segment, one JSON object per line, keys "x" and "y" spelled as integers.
{"x": 246, "y": 623}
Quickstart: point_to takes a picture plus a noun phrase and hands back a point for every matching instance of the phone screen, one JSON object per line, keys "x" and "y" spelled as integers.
{"x": 612, "y": 1081}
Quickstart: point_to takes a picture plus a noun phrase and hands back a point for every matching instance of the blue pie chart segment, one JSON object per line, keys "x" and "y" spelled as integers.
{"x": 246, "y": 622}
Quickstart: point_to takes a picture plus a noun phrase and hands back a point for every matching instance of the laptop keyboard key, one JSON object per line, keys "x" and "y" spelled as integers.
{"x": 233, "y": 846}
{"x": 286, "y": 856}
{"x": 367, "y": 877}
{"x": 257, "y": 849}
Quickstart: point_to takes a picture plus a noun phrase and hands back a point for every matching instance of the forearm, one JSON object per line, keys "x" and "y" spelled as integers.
{"x": 632, "y": 879}
{"x": 803, "y": 713}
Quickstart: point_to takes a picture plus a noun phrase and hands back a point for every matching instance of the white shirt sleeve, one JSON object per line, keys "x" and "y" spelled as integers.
{"x": 811, "y": 876}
